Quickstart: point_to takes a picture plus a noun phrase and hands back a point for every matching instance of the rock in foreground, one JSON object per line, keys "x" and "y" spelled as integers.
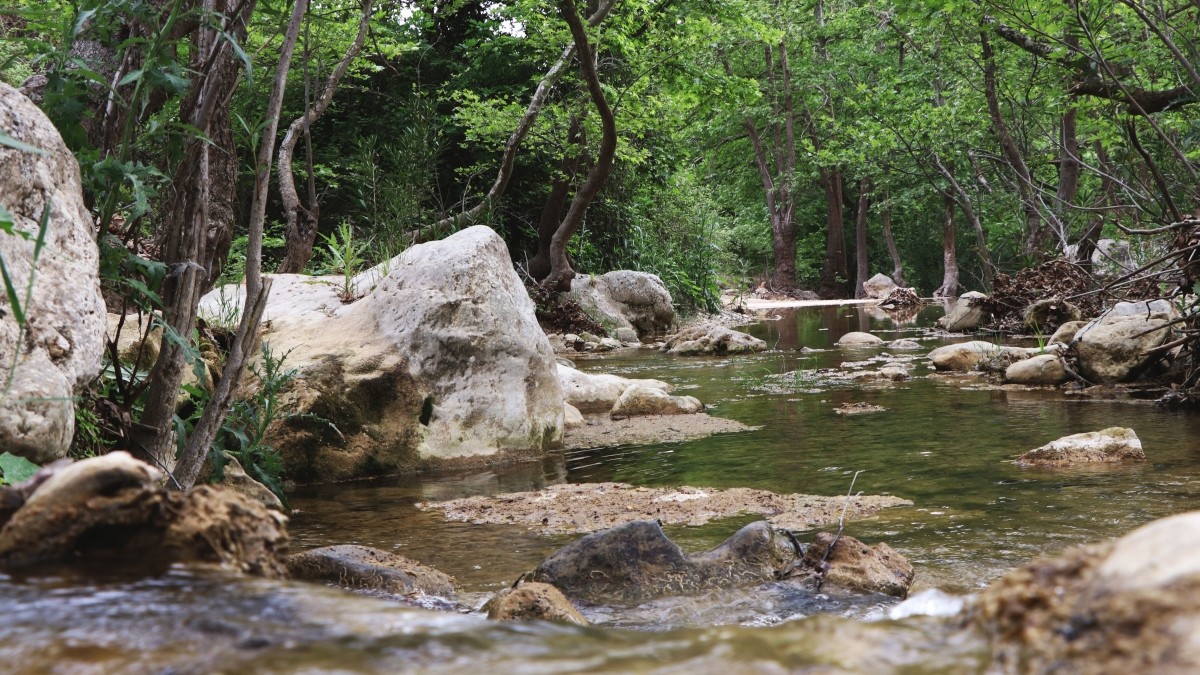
{"x": 369, "y": 569}
{"x": 1115, "y": 444}
{"x": 1132, "y": 606}
{"x": 857, "y": 566}
{"x": 1115, "y": 347}
{"x": 533, "y": 601}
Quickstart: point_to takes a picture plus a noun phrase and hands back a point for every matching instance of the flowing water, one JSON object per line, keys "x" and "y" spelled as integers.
{"x": 944, "y": 443}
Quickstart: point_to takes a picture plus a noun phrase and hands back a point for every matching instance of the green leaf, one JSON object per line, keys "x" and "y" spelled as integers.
{"x": 15, "y": 469}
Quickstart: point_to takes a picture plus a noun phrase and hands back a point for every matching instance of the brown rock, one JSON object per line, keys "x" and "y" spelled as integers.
{"x": 1114, "y": 444}
{"x": 857, "y": 566}
{"x": 365, "y": 568}
{"x": 533, "y": 601}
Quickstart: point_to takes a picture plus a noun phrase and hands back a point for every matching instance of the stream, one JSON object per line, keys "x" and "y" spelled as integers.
{"x": 942, "y": 442}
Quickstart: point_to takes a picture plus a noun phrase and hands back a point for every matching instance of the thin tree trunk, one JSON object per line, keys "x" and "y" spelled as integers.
{"x": 862, "y": 261}
{"x": 949, "y": 287}
{"x": 968, "y": 209}
{"x": 561, "y": 273}
{"x": 560, "y": 187}
{"x": 187, "y": 221}
{"x": 302, "y": 222}
{"x": 1034, "y": 234}
{"x": 834, "y": 274}
{"x": 885, "y": 220}
{"x": 257, "y": 288}
{"x": 1108, "y": 198}
{"x": 1069, "y": 168}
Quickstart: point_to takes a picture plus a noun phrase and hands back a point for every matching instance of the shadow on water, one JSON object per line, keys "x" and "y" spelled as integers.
{"x": 945, "y": 446}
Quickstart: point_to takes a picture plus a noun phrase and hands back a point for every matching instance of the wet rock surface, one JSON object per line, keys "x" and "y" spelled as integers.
{"x": 860, "y": 408}
{"x": 112, "y": 505}
{"x": 635, "y": 562}
{"x": 1115, "y": 444}
{"x": 598, "y": 432}
{"x": 711, "y": 339}
{"x": 1132, "y": 605}
{"x": 858, "y": 566}
{"x": 859, "y": 339}
{"x": 370, "y": 569}
{"x": 588, "y": 507}
{"x": 533, "y": 601}
{"x": 642, "y": 399}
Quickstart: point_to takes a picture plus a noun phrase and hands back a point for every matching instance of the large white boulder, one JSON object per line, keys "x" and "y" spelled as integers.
{"x": 879, "y": 286}
{"x": 1114, "y": 444}
{"x": 963, "y": 314}
{"x": 61, "y": 345}
{"x": 441, "y": 362}
{"x": 1114, "y": 347}
{"x": 626, "y": 299}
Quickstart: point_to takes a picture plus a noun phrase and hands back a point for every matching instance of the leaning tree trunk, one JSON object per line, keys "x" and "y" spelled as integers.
{"x": 861, "y": 268}
{"x": 560, "y": 187}
{"x": 302, "y": 223}
{"x": 561, "y": 273}
{"x": 833, "y": 272}
{"x": 968, "y": 209}
{"x": 949, "y": 287}
{"x": 885, "y": 221}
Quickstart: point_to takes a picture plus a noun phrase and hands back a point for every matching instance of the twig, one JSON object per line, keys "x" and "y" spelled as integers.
{"x": 823, "y": 566}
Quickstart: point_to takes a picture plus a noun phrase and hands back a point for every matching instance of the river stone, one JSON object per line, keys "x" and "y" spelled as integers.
{"x": 1114, "y": 347}
{"x": 904, "y": 344}
{"x": 598, "y": 392}
{"x": 857, "y": 566}
{"x": 879, "y": 286}
{"x": 572, "y": 418}
{"x": 709, "y": 339}
{"x": 1050, "y": 313}
{"x": 1066, "y": 332}
{"x": 963, "y": 356}
{"x": 1125, "y": 607}
{"x": 641, "y": 399}
{"x": 635, "y": 562}
{"x": 626, "y": 335}
{"x": 533, "y": 601}
{"x": 1114, "y": 444}
{"x": 626, "y": 299}
{"x": 370, "y": 569}
{"x": 441, "y": 363}
{"x": 963, "y": 314}
{"x": 61, "y": 348}
{"x": 1003, "y": 357}
{"x": 113, "y": 506}
{"x": 857, "y": 338}
{"x": 1040, "y": 369}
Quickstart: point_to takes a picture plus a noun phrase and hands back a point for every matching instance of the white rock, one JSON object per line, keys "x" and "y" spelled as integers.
{"x": 879, "y": 286}
{"x": 1153, "y": 556}
{"x": 1040, "y": 369}
{"x": 710, "y": 338}
{"x": 1114, "y": 444}
{"x": 642, "y": 399}
{"x": 857, "y": 338}
{"x": 572, "y": 418}
{"x": 626, "y": 299}
{"x": 904, "y": 344}
{"x": 64, "y": 339}
{"x": 598, "y": 392}
{"x": 962, "y": 356}
{"x": 1114, "y": 347}
{"x": 963, "y": 314}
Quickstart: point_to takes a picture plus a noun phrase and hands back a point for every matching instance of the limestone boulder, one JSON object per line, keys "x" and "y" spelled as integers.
{"x": 59, "y": 348}
{"x": 712, "y": 339}
{"x": 1132, "y": 605}
{"x": 572, "y": 418}
{"x": 533, "y": 601}
{"x": 904, "y": 344}
{"x": 963, "y": 313}
{"x": 859, "y": 339}
{"x": 598, "y": 392}
{"x": 1066, "y": 332}
{"x": 369, "y": 569}
{"x": 1039, "y": 370}
{"x": 440, "y": 362}
{"x": 1114, "y": 348}
{"x": 635, "y": 562}
{"x": 626, "y": 299}
{"x": 1115, "y": 444}
{"x": 879, "y": 286}
{"x": 236, "y": 479}
{"x": 963, "y": 356}
{"x": 856, "y": 566}
{"x": 643, "y": 399}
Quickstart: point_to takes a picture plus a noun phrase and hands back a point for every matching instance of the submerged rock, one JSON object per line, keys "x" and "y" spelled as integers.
{"x": 605, "y": 432}
{"x": 59, "y": 349}
{"x": 859, "y": 339}
{"x": 627, "y": 299}
{"x": 370, "y": 569}
{"x": 1132, "y": 606}
{"x": 857, "y": 566}
{"x": 1115, "y": 444}
{"x": 635, "y": 562}
{"x": 533, "y": 601}
{"x": 712, "y": 339}
{"x": 441, "y": 362}
{"x": 904, "y": 344}
{"x": 112, "y": 505}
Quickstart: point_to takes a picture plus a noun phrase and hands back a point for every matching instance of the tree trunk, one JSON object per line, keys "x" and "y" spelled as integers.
{"x": 1108, "y": 201}
{"x": 1034, "y": 230}
{"x": 968, "y": 209}
{"x": 561, "y": 273}
{"x": 949, "y": 287}
{"x": 302, "y": 221}
{"x": 862, "y": 261}
{"x": 885, "y": 220}
{"x": 560, "y": 187}
{"x": 1069, "y": 168}
{"x": 834, "y": 274}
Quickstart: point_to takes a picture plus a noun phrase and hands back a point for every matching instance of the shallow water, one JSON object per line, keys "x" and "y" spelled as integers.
{"x": 944, "y": 444}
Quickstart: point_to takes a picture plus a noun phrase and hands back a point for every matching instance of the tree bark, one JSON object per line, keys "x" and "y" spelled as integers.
{"x": 968, "y": 209}
{"x": 561, "y": 273}
{"x": 834, "y": 274}
{"x": 885, "y": 221}
{"x": 560, "y": 188}
{"x": 949, "y": 287}
{"x": 862, "y": 261}
{"x": 1034, "y": 231}
{"x": 1069, "y": 168}
{"x": 302, "y": 221}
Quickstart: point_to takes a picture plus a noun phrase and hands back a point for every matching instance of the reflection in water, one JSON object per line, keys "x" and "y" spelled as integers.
{"x": 945, "y": 447}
